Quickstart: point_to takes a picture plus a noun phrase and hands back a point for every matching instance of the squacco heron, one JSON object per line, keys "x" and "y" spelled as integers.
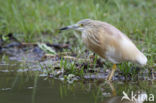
{"x": 108, "y": 42}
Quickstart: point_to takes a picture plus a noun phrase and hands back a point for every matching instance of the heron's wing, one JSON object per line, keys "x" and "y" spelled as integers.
{"x": 110, "y": 30}
{"x": 124, "y": 48}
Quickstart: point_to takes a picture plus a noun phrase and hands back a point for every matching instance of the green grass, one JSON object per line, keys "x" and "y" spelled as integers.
{"x": 37, "y": 20}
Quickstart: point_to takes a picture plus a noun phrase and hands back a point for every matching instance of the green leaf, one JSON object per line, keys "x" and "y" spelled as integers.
{"x": 46, "y": 48}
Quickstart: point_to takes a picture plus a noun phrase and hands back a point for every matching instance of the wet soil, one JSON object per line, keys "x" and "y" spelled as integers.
{"x": 36, "y": 58}
{"x": 30, "y": 75}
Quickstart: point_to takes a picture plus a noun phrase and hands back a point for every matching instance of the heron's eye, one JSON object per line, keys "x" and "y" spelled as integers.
{"x": 81, "y": 25}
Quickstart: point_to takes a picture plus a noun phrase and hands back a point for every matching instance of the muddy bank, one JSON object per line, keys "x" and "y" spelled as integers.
{"x": 52, "y": 61}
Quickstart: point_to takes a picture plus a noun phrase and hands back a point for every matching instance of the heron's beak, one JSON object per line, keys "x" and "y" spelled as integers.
{"x": 70, "y": 27}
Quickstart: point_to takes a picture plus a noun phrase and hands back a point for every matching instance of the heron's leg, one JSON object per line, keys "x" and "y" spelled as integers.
{"x": 109, "y": 78}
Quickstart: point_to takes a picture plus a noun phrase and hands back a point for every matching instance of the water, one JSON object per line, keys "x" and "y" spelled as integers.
{"x": 19, "y": 85}
{"x": 19, "y": 88}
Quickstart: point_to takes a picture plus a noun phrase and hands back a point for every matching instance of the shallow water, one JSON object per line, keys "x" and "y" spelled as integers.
{"x": 19, "y": 85}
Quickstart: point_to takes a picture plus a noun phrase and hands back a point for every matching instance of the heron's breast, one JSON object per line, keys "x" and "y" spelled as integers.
{"x": 93, "y": 44}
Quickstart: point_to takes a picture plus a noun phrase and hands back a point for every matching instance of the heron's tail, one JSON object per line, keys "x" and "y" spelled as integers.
{"x": 141, "y": 59}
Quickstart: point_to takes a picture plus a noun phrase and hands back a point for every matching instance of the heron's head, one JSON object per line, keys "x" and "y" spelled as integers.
{"x": 81, "y": 25}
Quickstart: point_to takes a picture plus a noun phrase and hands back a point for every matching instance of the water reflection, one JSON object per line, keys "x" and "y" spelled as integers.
{"x": 138, "y": 97}
{"x": 30, "y": 87}
{"x": 23, "y": 87}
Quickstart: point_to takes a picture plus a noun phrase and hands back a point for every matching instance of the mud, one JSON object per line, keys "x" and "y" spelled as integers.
{"x": 36, "y": 59}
